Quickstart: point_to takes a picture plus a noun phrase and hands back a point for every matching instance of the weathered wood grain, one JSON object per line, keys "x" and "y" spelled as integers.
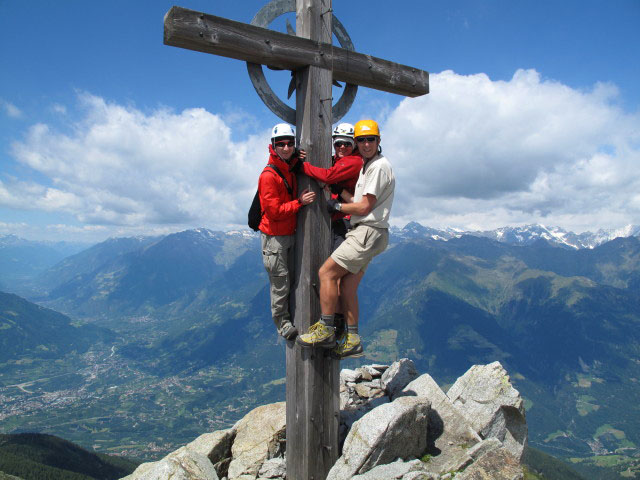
{"x": 312, "y": 375}
{"x": 220, "y": 36}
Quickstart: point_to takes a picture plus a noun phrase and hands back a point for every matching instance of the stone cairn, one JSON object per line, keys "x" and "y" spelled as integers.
{"x": 394, "y": 424}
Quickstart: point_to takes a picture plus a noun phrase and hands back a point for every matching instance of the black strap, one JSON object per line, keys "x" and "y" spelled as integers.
{"x": 286, "y": 184}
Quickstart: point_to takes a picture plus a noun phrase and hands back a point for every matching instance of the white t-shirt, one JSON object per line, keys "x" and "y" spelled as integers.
{"x": 376, "y": 178}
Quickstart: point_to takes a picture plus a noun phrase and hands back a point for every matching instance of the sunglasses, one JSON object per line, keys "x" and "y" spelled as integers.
{"x": 342, "y": 144}
{"x": 289, "y": 143}
{"x": 366, "y": 139}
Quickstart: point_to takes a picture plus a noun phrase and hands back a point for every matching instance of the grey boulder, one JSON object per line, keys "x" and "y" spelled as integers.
{"x": 397, "y": 470}
{"x": 496, "y": 464}
{"x": 397, "y": 376}
{"x": 183, "y": 464}
{"x": 391, "y": 431}
{"x": 485, "y": 397}
{"x": 259, "y": 437}
{"x": 450, "y": 434}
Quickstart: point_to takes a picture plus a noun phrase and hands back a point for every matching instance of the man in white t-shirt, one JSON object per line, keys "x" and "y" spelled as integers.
{"x": 369, "y": 208}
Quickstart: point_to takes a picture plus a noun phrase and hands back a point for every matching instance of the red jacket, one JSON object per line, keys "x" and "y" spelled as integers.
{"x": 280, "y": 209}
{"x": 344, "y": 172}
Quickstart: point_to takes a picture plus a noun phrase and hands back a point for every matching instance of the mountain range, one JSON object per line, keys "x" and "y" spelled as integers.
{"x": 524, "y": 235}
{"x": 38, "y": 332}
{"x": 562, "y": 317}
{"x": 21, "y": 259}
{"x": 56, "y": 266}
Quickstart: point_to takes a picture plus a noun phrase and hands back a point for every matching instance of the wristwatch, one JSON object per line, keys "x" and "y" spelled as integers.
{"x": 339, "y": 207}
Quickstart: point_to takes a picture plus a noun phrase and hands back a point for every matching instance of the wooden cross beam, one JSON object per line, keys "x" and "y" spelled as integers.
{"x": 312, "y": 374}
{"x": 220, "y": 36}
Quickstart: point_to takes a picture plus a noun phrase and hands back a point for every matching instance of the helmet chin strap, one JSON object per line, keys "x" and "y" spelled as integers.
{"x": 284, "y": 159}
{"x": 273, "y": 144}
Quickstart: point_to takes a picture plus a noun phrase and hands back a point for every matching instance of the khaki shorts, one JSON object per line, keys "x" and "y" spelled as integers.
{"x": 361, "y": 244}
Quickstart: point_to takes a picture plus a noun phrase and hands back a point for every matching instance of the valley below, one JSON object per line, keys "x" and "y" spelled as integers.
{"x": 163, "y": 339}
{"x": 108, "y": 403}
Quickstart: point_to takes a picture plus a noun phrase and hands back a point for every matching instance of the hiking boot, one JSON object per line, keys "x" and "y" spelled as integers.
{"x": 351, "y": 347}
{"x": 319, "y": 335}
{"x": 340, "y": 341}
{"x": 287, "y": 330}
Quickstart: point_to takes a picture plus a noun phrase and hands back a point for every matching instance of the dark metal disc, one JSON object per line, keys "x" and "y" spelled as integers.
{"x": 263, "y": 18}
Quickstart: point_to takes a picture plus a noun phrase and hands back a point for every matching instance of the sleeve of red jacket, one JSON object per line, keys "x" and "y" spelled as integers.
{"x": 344, "y": 168}
{"x": 271, "y": 200}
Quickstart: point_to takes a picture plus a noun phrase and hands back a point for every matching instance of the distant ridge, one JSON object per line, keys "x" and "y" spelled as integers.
{"x": 524, "y": 235}
{"x": 32, "y": 331}
{"x": 514, "y": 235}
{"x": 39, "y": 456}
{"x": 22, "y": 259}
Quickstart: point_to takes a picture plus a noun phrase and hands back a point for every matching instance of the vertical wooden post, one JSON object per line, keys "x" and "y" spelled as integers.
{"x": 312, "y": 375}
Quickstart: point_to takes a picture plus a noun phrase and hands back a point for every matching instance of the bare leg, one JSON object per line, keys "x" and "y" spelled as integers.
{"x": 349, "y": 296}
{"x": 343, "y": 307}
{"x": 330, "y": 274}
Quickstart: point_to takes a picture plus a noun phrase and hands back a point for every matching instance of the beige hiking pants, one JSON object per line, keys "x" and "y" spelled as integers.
{"x": 277, "y": 256}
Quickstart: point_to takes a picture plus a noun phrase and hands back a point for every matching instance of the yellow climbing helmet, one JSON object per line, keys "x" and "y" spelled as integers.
{"x": 366, "y": 127}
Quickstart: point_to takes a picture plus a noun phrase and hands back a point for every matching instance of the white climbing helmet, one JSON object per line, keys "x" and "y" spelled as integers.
{"x": 282, "y": 130}
{"x": 343, "y": 130}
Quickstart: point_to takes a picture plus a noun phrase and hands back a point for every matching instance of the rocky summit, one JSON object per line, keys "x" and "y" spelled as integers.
{"x": 394, "y": 424}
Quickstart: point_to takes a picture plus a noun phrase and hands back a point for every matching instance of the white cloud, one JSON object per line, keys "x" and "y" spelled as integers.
{"x": 59, "y": 109}
{"x": 10, "y": 228}
{"x": 33, "y": 196}
{"x": 473, "y": 154}
{"x": 10, "y": 109}
{"x": 121, "y": 166}
{"x": 476, "y": 152}
{"x": 59, "y": 232}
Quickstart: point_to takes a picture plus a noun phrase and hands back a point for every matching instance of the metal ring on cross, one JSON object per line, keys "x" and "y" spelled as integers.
{"x": 263, "y": 18}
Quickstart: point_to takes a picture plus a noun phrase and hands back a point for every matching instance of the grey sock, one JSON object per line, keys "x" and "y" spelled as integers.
{"x": 327, "y": 320}
{"x": 352, "y": 329}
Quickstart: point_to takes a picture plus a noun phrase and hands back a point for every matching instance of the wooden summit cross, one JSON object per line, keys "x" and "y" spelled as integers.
{"x": 312, "y": 375}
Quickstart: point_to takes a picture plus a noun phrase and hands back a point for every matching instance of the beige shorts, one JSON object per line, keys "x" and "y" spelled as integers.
{"x": 361, "y": 244}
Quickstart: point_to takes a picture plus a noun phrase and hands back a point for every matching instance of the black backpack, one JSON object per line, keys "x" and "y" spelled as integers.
{"x": 255, "y": 211}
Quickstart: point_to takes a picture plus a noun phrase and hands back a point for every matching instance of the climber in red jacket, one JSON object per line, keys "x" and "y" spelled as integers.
{"x": 280, "y": 202}
{"x": 343, "y": 175}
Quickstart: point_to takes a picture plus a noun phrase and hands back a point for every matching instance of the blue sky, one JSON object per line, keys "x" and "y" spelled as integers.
{"x": 533, "y": 116}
